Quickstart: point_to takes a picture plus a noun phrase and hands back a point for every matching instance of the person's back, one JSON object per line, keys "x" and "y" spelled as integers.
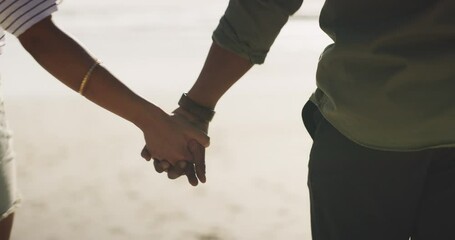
{"x": 383, "y": 159}
{"x": 387, "y": 81}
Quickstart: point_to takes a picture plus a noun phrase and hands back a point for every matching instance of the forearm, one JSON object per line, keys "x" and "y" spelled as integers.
{"x": 243, "y": 38}
{"x": 221, "y": 70}
{"x": 68, "y": 61}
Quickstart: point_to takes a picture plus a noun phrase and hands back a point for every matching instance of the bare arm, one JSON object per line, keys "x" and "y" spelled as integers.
{"x": 221, "y": 70}
{"x": 68, "y": 61}
{"x": 166, "y": 137}
{"x": 243, "y": 38}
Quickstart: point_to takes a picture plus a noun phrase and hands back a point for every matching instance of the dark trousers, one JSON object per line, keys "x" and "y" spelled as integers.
{"x": 357, "y": 193}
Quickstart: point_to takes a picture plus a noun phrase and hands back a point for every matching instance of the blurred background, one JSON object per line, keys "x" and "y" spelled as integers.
{"x": 79, "y": 166}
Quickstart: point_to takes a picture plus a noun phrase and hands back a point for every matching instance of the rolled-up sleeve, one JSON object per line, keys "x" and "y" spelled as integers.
{"x": 16, "y": 16}
{"x": 249, "y": 27}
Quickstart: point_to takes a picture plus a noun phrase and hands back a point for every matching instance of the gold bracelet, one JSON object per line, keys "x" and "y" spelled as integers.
{"x": 87, "y": 76}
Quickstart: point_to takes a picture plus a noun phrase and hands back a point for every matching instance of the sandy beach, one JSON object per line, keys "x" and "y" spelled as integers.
{"x": 79, "y": 168}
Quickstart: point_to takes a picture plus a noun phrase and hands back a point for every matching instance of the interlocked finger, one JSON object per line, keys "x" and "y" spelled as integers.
{"x": 198, "y": 152}
{"x": 177, "y": 170}
{"x": 194, "y": 169}
{"x": 156, "y": 164}
{"x": 146, "y": 154}
{"x": 191, "y": 175}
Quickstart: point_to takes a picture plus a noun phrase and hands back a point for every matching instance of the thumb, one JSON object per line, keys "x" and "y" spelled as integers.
{"x": 193, "y": 131}
{"x": 201, "y": 138}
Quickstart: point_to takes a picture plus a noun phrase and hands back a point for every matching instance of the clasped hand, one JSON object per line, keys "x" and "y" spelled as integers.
{"x": 177, "y": 143}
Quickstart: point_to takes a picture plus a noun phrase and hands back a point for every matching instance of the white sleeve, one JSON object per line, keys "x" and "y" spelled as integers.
{"x": 16, "y": 16}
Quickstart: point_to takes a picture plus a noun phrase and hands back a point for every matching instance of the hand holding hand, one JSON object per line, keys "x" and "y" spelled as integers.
{"x": 196, "y": 149}
{"x": 194, "y": 170}
{"x": 177, "y": 146}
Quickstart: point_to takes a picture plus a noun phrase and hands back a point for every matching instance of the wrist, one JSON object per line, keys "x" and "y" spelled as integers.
{"x": 197, "y": 110}
{"x": 147, "y": 115}
{"x": 190, "y": 118}
{"x": 203, "y": 98}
